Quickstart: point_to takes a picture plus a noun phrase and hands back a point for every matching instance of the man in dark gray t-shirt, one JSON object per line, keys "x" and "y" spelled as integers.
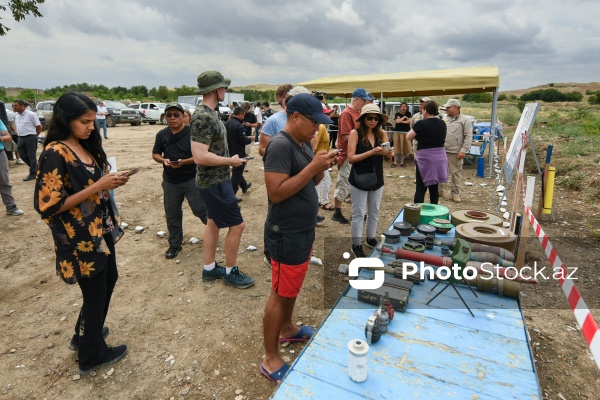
{"x": 291, "y": 173}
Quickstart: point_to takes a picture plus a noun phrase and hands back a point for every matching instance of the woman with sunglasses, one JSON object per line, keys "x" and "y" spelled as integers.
{"x": 366, "y": 155}
{"x": 430, "y": 160}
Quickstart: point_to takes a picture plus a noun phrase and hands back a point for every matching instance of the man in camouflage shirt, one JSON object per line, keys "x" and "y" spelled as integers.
{"x": 211, "y": 155}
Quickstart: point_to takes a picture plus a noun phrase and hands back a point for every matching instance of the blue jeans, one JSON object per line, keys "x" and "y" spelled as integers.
{"x": 257, "y": 132}
{"x": 102, "y": 124}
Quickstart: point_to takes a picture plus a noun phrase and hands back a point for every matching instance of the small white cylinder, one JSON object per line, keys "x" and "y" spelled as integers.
{"x": 357, "y": 360}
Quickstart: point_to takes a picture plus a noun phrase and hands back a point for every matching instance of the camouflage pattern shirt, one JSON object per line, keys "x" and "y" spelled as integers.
{"x": 207, "y": 128}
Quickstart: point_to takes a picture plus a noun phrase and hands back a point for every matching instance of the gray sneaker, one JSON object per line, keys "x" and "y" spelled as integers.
{"x": 237, "y": 279}
{"x": 217, "y": 272}
{"x": 14, "y": 210}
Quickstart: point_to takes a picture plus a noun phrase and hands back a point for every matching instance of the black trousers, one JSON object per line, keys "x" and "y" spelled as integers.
{"x": 237, "y": 179}
{"x": 27, "y": 148}
{"x": 174, "y": 194}
{"x": 96, "y": 292}
{"x": 434, "y": 194}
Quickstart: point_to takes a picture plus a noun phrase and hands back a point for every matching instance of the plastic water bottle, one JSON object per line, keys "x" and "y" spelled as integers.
{"x": 358, "y": 351}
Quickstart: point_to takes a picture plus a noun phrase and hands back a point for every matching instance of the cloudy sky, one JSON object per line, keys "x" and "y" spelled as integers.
{"x": 157, "y": 42}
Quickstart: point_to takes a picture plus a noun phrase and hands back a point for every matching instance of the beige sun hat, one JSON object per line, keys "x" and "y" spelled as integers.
{"x": 372, "y": 109}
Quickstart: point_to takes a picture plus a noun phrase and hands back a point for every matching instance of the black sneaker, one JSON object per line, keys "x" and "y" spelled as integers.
{"x": 29, "y": 178}
{"x": 320, "y": 219}
{"x": 172, "y": 252}
{"x": 338, "y": 217}
{"x": 248, "y": 186}
{"x": 74, "y": 345}
{"x": 114, "y": 354}
{"x": 239, "y": 199}
{"x": 217, "y": 272}
{"x": 237, "y": 279}
{"x": 371, "y": 242}
{"x": 358, "y": 251}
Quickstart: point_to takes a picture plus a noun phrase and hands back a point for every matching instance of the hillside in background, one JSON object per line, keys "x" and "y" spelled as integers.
{"x": 563, "y": 87}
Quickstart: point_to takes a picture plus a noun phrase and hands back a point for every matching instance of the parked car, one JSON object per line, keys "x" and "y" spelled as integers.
{"x": 44, "y": 110}
{"x": 152, "y": 112}
{"x": 224, "y": 111}
{"x": 119, "y": 113}
{"x": 189, "y": 106}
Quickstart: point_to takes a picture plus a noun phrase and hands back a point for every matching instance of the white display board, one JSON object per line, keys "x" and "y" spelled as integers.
{"x": 520, "y": 139}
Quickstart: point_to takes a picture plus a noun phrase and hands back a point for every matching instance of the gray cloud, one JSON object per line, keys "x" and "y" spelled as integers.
{"x": 155, "y": 43}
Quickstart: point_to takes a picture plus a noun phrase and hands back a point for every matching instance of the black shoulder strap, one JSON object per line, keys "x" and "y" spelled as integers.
{"x": 174, "y": 139}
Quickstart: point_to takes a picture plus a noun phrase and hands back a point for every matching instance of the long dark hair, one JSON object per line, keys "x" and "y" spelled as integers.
{"x": 68, "y": 108}
{"x": 363, "y": 130}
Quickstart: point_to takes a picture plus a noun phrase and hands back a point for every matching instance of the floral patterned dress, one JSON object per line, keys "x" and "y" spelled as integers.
{"x": 81, "y": 251}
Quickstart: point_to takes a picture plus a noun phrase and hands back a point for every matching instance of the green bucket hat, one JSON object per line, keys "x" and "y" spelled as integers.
{"x": 211, "y": 80}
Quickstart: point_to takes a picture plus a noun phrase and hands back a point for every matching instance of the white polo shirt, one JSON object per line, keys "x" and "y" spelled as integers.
{"x": 258, "y": 114}
{"x": 26, "y": 123}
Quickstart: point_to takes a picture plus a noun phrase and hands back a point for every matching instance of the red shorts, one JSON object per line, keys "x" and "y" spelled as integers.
{"x": 286, "y": 280}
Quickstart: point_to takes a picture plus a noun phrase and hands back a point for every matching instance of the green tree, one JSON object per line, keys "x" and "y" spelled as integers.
{"x": 19, "y": 10}
{"x": 478, "y": 97}
{"x": 28, "y": 95}
{"x": 139, "y": 91}
{"x": 162, "y": 93}
{"x": 185, "y": 90}
{"x": 3, "y": 95}
{"x": 594, "y": 98}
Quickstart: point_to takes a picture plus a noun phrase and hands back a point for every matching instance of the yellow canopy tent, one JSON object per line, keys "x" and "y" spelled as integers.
{"x": 418, "y": 83}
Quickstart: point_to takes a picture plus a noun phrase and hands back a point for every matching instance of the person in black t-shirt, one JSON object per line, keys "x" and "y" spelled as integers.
{"x": 430, "y": 161}
{"x": 172, "y": 149}
{"x": 236, "y": 142}
{"x": 250, "y": 122}
{"x": 401, "y": 144}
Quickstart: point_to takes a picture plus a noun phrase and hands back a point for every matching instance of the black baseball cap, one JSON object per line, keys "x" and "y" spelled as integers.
{"x": 307, "y": 104}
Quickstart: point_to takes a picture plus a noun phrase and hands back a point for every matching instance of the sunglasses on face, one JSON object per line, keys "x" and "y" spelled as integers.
{"x": 369, "y": 118}
{"x": 308, "y": 117}
{"x": 173, "y": 115}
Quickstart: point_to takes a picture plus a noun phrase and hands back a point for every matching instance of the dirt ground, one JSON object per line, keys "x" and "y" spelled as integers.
{"x": 189, "y": 339}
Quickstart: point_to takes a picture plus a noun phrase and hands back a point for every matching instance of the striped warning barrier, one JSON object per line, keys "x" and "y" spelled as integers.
{"x": 584, "y": 317}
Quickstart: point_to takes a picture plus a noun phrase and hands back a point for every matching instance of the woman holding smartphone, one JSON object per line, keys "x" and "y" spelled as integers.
{"x": 72, "y": 195}
{"x": 366, "y": 155}
{"x": 430, "y": 161}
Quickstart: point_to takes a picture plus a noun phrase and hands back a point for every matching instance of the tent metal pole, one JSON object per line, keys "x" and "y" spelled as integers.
{"x": 493, "y": 132}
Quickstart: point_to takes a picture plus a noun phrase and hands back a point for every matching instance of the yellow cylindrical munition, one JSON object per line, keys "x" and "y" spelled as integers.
{"x": 549, "y": 191}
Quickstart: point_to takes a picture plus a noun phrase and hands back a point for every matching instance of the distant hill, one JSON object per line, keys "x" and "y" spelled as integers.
{"x": 563, "y": 87}
{"x": 256, "y": 86}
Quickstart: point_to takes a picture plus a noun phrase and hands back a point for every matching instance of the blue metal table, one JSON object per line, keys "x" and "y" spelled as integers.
{"x": 435, "y": 351}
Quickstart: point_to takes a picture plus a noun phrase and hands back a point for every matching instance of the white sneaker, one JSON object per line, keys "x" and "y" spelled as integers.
{"x": 14, "y": 210}
{"x": 256, "y": 143}
{"x": 19, "y": 161}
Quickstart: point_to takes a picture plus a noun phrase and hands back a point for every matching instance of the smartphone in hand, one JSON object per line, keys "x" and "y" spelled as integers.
{"x": 386, "y": 146}
{"x": 131, "y": 172}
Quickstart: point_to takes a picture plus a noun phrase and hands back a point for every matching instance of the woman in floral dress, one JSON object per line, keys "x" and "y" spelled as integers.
{"x": 72, "y": 194}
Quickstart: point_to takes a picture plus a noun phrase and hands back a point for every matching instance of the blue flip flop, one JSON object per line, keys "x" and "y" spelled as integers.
{"x": 303, "y": 335}
{"x": 277, "y": 375}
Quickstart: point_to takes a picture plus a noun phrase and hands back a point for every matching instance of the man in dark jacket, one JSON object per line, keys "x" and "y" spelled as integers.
{"x": 237, "y": 141}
